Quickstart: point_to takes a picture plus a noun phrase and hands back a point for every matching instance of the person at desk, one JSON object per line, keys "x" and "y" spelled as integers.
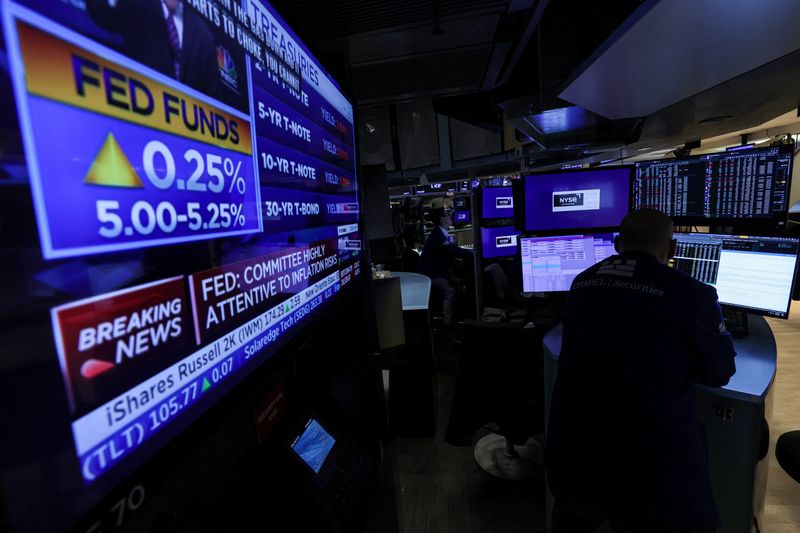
{"x": 624, "y": 443}
{"x": 438, "y": 259}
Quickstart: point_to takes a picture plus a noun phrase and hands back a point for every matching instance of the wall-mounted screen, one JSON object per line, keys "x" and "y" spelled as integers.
{"x": 755, "y": 274}
{"x": 550, "y": 264}
{"x": 499, "y": 242}
{"x": 497, "y": 202}
{"x": 576, "y": 199}
{"x": 743, "y": 186}
{"x": 178, "y": 200}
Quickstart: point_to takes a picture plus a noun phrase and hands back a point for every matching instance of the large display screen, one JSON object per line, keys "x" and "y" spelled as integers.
{"x": 550, "y": 264}
{"x": 743, "y": 185}
{"x": 179, "y": 199}
{"x": 576, "y": 199}
{"x": 755, "y": 274}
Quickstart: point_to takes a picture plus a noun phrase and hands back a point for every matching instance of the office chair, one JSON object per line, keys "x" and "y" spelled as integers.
{"x": 499, "y": 301}
{"x": 500, "y": 381}
{"x": 787, "y": 451}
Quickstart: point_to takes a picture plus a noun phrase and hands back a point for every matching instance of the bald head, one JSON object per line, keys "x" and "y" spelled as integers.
{"x": 648, "y": 231}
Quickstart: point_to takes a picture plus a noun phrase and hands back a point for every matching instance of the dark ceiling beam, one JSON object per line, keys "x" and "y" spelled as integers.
{"x": 496, "y": 76}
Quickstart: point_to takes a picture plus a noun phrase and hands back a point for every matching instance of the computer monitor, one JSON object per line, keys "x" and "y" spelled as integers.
{"x": 168, "y": 228}
{"x": 753, "y": 274}
{"x": 499, "y": 242}
{"x": 576, "y": 199}
{"x": 730, "y": 188}
{"x": 497, "y": 202}
{"x": 550, "y": 264}
{"x": 462, "y": 217}
{"x": 462, "y": 203}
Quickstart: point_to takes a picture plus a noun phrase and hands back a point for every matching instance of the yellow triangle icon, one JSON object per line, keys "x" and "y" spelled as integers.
{"x": 112, "y": 168}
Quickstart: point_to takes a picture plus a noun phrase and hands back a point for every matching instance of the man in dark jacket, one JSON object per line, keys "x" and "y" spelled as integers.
{"x": 166, "y": 36}
{"x": 437, "y": 259}
{"x": 624, "y": 443}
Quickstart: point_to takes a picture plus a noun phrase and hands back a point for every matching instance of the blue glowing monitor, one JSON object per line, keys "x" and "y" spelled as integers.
{"x": 497, "y": 202}
{"x": 580, "y": 199}
{"x": 462, "y": 217}
{"x": 499, "y": 242}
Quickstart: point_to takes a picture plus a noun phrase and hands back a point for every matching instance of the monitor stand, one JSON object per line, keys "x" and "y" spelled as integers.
{"x": 736, "y": 322}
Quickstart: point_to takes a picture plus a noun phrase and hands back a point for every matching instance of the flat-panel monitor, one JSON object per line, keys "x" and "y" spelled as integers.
{"x": 462, "y": 217}
{"x": 576, "y": 199}
{"x": 462, "y": 203}
{"x": 724, "y": 189}
{"x": 313, "y": 445}
{"x": 171, "y": 218}
{"x": 499, "y": 241}
{"x": 497, "y": 202}
{"x": 550, "y": 264}
{"x": 754, "y": 274}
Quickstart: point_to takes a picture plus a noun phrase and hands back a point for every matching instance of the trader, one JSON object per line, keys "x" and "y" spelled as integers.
{"x": 438, "y": 259}
{"x": 624, "y": 443}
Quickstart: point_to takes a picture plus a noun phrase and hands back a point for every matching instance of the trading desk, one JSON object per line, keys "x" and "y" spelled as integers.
{"x": 733, "y": 416}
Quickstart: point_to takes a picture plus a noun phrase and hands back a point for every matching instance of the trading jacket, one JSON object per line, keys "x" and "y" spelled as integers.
{"x": 623, "y": 437}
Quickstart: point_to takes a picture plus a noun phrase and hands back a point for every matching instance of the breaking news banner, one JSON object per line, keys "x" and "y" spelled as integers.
{"x": 108, "y": 343}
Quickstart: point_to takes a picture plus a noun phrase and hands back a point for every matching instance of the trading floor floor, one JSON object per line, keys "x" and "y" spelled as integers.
{"x": 431, "y": 486}
{"x": 782, "y": 506}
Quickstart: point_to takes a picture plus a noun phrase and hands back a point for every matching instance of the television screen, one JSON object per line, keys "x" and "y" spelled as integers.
{"x": 549, "y": 264}
{"x": 755, "y": 274}
{"x": 499, "y": 242}
{"x": 461, "y": 217}
{"x": 462, "y": 203}
{"x": 719, "y": 189}
{"x": 179, "y": 200}
{"x": 497, "y": 202}
{"x": 576, "y": 199}
{"x": 313, "y": 445}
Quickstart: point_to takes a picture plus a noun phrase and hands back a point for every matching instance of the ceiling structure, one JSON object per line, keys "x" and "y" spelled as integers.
{"x": 580, "y": 82}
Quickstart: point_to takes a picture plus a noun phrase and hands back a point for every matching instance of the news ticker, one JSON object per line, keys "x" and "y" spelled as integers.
{"x": 109, "y": 433}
